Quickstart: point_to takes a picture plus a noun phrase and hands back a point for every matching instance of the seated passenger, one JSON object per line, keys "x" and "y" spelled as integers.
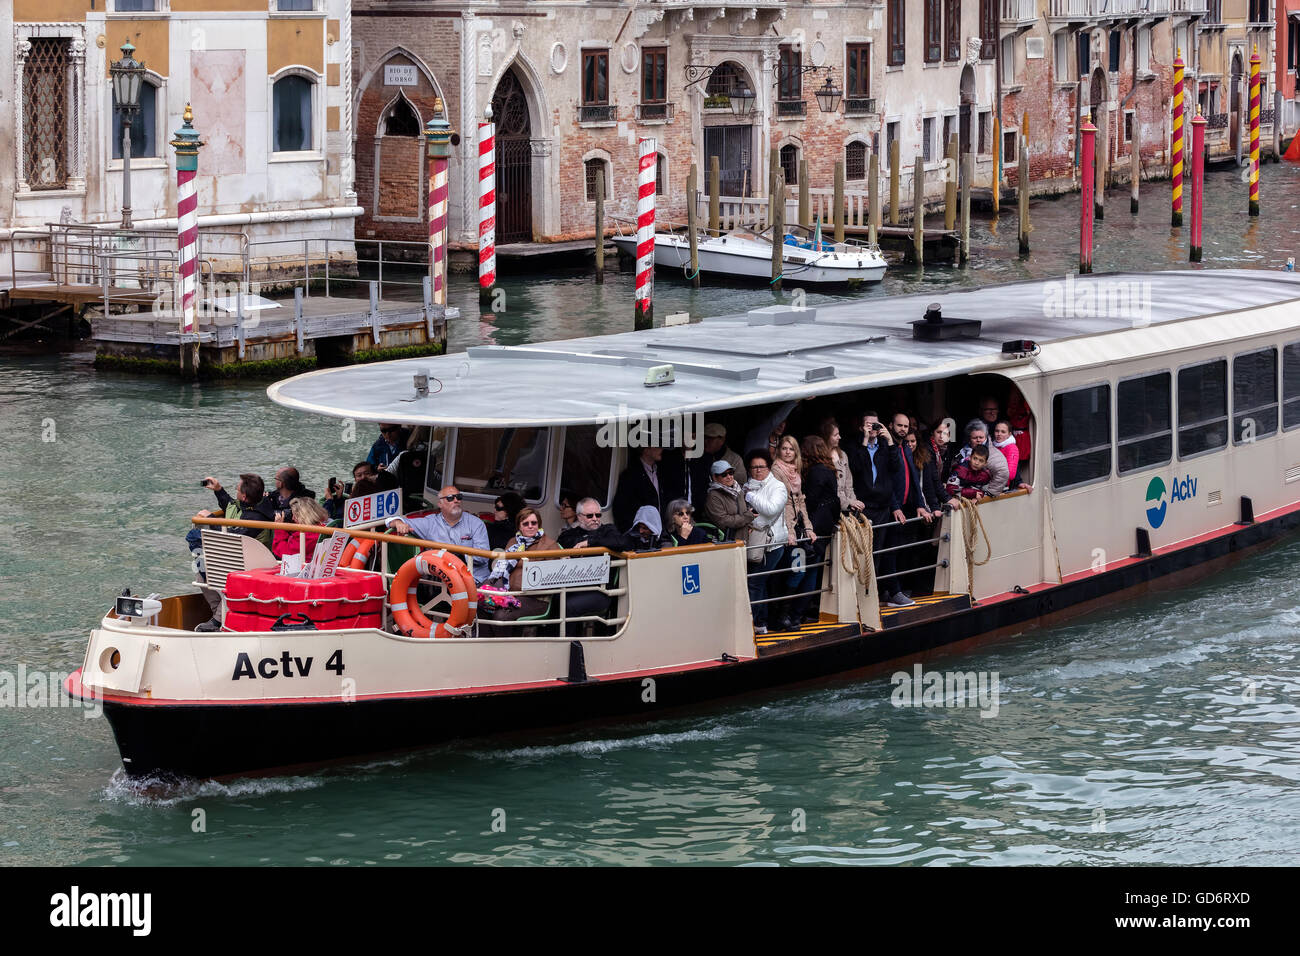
{"x": 726, "y": 506}
{"x": 305, "y": 511}
{"x": 646, "y": 531}
{"x": 451, "y": 525}
{"x": 590, "y": 532}
{"x": 568, "y": 513}
{"x": 508, "y": 574}
{"x": 972, "y": 477}
{"x": 287, "y": 487}
{"x": 339, "y": 492}
{"x": 679, "y": 516}
{"x": 504, "y": 512}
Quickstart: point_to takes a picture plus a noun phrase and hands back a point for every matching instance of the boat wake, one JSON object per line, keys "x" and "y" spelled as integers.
{"x": 596, "y": 748}
{"x": 168, "y": 791}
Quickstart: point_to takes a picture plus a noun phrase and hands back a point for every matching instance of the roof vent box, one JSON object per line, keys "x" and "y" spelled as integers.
{"x": 781, "y": 315}
{"x": 935, "y": 328}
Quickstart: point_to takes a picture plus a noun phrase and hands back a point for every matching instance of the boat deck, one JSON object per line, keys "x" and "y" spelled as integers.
{"x": 927, "y": 607}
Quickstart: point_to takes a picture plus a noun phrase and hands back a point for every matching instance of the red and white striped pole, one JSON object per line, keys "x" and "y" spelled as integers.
{"x": 187, "y": 146}
{"x": 487, "y": 207}
{"x": 438, "y": 135}
{"x": 645, "y": 235}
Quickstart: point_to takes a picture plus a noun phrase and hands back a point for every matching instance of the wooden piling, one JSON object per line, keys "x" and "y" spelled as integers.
{"x": 715, "y": 180}
{"x": 1277, "y": 126}
{"x": 918, "y": 211}
{"x": 777, "y": 202}
{"x": 893, "y": 182}
{"x": 997, "y": 165}
{"x": 1022, "y": 194}
{"x": 805, "y": 197}
{"x": 837, "y": 200}
{"x": 967, "y": 172}
{"x": 873, "y": 199}
{"x": 1135, "y": 155}
{"x": 950, "y": 184}
{"x": 692, "y": 220}
{"x": 600, "y": 230}
{"x": 1198, "y": 183}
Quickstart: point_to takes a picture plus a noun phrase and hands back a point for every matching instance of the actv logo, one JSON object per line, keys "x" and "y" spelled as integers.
{"x": 1183, "y": 489}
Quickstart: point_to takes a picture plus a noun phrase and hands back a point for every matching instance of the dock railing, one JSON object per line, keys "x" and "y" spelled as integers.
{"x": 337, "y": 266}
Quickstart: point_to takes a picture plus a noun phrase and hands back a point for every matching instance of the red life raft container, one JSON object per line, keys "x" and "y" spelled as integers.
{"x": 255, "y": 599}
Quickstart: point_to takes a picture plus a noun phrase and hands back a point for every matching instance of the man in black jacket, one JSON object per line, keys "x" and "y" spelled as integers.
{"x": 871, "y": 462}
{"x": 647, "y": 480}
{"x": 249, "y": 504}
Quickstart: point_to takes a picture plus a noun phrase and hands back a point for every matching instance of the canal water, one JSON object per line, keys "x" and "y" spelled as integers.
{"x": 1159, "y": 732}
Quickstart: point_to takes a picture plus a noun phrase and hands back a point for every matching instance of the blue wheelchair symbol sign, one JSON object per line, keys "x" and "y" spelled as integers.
{"x": 690, "y": 579}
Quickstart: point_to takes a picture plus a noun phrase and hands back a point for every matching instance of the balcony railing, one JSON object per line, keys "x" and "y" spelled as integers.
{"x": 1070, "y": 9}
{"x": 1265, "y": 117}
{"x": 654, "y": 111}
{"x": 1106, "y": 9}
{"x": 789, "y": 108}
{"x": 1019, "y": 11}
{"x": 1189, "y": 7}
{"x": 597, "y": 114}
{"x": 1217, "y": 121}
{"x": 859, "y": 105}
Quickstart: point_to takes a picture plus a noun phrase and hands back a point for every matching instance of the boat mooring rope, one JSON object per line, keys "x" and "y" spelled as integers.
{"x": 855, "y": 554}
{"x": 972, "y": 525}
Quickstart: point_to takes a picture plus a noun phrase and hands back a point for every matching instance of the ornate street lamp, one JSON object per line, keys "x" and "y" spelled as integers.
{"x": 742, "y": 101}
{"x": 828, "y": 97}
{"x": 127, "y": 75}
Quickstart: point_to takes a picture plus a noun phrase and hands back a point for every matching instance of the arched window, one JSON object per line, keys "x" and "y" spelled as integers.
{"x": 724, "y": 80}
{"x": 400, "y": 119}
{"x": 855, "y": 161}
{"x": 291, "y": 106}
{"x": 144, "y": 125}
{"x": 790, "y": 164}
{"x": 594, "y": 169}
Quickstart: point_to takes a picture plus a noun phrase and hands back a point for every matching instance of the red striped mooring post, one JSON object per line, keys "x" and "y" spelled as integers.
{"x": 1177, "y": 140}
{"x": 438, "y": 136}
{"x": 1198, "y": 182}
{"x": 1088, "y": 132}
{"x": 1254, "y": 132}
{"x": 645, "y": 235}
{"x": 487, "y": 207}
{"x": 187, "y": 146}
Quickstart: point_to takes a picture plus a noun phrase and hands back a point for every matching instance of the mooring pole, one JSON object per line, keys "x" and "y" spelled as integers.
{"x": 805, "y": 197}
{"x": 950, "y": 185}
{"x": 918, "y": 211}
{"x": 967, "y": 174}
{"x": 1135, "y": 156}
{"x": 187, "y": 144}
{"x": 715, "y": 181}
{"x": 1088, "y": 134}
{"x": 1277, "y": 126}
{"x": 1254, "y": 132}
{"x": 997, "y": 165}
{"x": 1198, "y": 182}
{"x": 692, "y": 228}
{"x": 600, "y": 227}
{"x": 837, "y": 200}
{"x": 645, "y": 236}
{"x": 873, "y": 197}
{"x": 487, "y": 208}
{"x": 893, "y": 182}
{"x": 777, "y": 199}
{"x": 1101, "y": 156}
{"x": 1022, "y": 194}
{"x": 1176, "y": 144}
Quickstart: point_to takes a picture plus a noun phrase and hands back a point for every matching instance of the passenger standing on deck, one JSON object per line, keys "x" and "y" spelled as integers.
{"x": 726, "y": 505}
{"x": 249, "y": 504}
{"x": 767, "y": 433}
{"x": 767, "y": 537}
{"x": 451, "y": 525}
{"x": 871, "y": 462}
{"x": 908, "y": 502}
{"x": 830, "y": 434}
{"x": 390, "y": 444}
{"x": 715, "y": 449}
{"x": 1005, "y": 442}
{"x": 644, "y": 483}
{"x": 822, "y": 500}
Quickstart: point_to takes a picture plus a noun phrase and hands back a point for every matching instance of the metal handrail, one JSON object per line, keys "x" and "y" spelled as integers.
{"x": 315, "y": 256}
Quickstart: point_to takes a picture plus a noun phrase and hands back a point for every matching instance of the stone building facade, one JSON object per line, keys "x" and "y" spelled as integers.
{"x": 269, "y": 81}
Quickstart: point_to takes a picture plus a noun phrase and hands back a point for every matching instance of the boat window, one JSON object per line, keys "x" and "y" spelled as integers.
{"x": 1144, "y": 422}
{"x": 435, "y": 441}
{"x": 1080, "y": 436}
{"x": 492, "y": 460}
{"x": 585, "y": 472}
{"x": 1254, "y": 395}
{"x": 1291, "y": 385}
{"x": 1202, "y": 408}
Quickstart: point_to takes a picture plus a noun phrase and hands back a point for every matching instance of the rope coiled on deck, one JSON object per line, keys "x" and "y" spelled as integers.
{"x": 972, "y": 525}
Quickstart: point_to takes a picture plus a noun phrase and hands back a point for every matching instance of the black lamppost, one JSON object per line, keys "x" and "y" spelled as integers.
{"x": 127, "y": 75}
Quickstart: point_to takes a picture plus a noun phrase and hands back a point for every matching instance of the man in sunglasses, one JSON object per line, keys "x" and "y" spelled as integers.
{"x": 589, "y": 532}
{"x": 451, "y": 525}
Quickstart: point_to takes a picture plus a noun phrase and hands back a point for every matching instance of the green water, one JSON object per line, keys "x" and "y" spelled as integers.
{"x": 1163, "y": 731}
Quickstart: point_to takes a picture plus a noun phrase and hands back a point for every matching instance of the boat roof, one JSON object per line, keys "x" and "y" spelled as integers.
{"x": 776, "y": 353}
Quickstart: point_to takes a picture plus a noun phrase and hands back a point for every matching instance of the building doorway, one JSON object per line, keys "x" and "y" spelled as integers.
{"x": 514, "y": 161}
{"x": 726, "y": 136}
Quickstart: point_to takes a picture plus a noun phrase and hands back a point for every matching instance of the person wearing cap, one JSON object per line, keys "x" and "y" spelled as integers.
{"x": 725, "y": 506}
{"x": 715, "y": 449}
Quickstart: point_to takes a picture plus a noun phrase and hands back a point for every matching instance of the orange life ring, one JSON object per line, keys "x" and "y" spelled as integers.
{"x": 357, "y": 553}
{"x": 404, "y": 604}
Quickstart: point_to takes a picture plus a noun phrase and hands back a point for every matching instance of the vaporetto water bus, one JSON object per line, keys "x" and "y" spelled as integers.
{"x": 1163, "y": 415}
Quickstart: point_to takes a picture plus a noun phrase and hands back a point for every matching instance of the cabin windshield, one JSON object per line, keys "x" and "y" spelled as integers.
{"x": 490, "y": 461}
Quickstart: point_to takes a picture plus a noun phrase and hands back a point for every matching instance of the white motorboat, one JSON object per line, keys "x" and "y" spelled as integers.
{"x": 807, "y": 257}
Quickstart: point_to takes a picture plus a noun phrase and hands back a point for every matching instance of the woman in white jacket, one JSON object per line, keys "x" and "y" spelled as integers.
{"x": 766, "y": 496}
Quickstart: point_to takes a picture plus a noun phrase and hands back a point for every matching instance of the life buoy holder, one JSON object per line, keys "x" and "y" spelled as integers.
{"x": 357, "y": 553}
{"x": 462, "y": 593}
